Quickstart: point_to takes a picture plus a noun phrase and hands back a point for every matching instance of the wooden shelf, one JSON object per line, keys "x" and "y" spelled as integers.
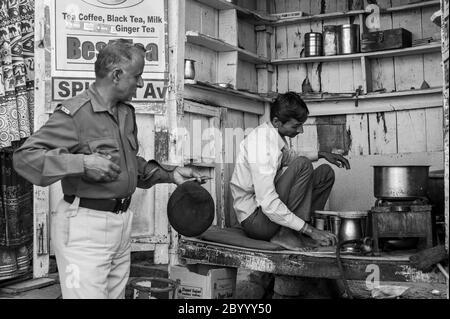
{"x": 374, "y": 95}
{"x": 216, "y": 88}
{"x": 248, "y": 15}
{"x": 334, "y": 15}
{"x": 214, "y": 44}
{"x": 429, "y": 48}
{"x": 375, "y": 102}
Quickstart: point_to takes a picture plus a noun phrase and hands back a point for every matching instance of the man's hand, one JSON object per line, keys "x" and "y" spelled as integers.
{"x": 336, "y": 159}
{"x": 183, "y": 174}
{"x": 322, "y": 237}
{"x": 100, "y": 168}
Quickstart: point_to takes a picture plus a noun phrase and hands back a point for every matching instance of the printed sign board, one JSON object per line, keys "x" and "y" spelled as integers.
{"x": 81, "y": 28}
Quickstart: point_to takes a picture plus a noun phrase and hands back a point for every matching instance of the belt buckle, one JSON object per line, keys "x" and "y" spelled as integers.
{"x": 122, "y": 205}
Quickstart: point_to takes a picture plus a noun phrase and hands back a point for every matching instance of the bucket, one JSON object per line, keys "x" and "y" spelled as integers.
{"x": 153, "y": 288}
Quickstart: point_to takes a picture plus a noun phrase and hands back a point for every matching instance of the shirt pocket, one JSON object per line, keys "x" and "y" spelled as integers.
{"x": 106, "y": 146}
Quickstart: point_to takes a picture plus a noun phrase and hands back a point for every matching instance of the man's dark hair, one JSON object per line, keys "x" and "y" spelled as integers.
{"x": 289, "y": 106}
{"x": 115, "y": 53}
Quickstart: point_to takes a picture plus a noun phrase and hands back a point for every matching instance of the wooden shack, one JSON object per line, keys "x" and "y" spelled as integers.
{"x": 376, "y": 108}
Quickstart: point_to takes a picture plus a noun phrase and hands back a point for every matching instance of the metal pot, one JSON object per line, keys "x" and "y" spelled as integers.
{"x": 350, "y": 228}
{"x": 349, "y": 39}
{"x": 313, "y": 44}
{"x": 400, "y": 182}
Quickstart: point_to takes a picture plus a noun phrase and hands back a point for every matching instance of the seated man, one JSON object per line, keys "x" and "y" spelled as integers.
{"x": 274, "y": 188}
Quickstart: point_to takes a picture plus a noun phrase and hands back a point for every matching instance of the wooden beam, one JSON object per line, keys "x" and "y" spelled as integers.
{"x": 173, "y": 118}
{"x": 41, "y": 205}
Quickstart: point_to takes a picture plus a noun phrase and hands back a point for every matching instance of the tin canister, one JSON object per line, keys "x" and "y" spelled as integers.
{"x": 313, "y": 44}
{"x": 349, "y": 39}
{"x": 320, "y": 223}
{"x": 331, "y": 39}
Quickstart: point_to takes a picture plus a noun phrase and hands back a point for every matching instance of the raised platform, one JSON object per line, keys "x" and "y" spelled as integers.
{"x": 391, "y": 267}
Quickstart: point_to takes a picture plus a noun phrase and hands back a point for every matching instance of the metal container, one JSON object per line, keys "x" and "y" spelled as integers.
{"x": 189, "y": 69}
{"x": 349, "y": 39}
{"x": 313, "y": 44}
{"x": 335, "y": 223}
{"x": 331, "y": 39}
{"x": 320, "y": 223}
{"x": 350, "y": 228}
{"x": 400, "y": 182}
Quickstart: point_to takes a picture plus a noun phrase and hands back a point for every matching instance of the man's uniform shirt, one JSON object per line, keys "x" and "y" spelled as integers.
{"x": 81, "y": 126}
{"x": 262, "y": 156}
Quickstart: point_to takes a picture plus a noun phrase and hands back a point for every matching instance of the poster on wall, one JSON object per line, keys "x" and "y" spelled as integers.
{"x": 81, "y": 28}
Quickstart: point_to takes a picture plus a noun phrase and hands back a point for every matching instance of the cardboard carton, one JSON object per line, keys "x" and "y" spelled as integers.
{"x": 199, "y": 281}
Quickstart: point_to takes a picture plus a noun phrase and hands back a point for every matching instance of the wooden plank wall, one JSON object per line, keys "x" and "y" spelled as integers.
{"x": 392, "y": 74}
{"x": 143, "y": 203}
{"x": 388, "y": 138}
{"x": 214, "y": 67}
{"x": 409, "y": 136}
{"x": 203, "y": 19}
{"x": 217, "y": 161}
{"x": 234, "y": 119}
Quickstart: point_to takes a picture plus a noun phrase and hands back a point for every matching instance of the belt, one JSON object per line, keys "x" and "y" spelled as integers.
{"x": 115, "y": 205}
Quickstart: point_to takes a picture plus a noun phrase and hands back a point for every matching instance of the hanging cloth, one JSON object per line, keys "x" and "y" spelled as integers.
{"x": 16, "y": 29}
{"x": 16, "y": 116}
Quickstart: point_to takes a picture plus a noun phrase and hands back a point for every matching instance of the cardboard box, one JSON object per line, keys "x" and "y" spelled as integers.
{"x": 199, "y": 281}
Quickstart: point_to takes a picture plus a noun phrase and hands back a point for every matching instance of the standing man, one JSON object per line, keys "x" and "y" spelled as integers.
{"x": 275, "y": 189}
{"x": 90, "y": 144}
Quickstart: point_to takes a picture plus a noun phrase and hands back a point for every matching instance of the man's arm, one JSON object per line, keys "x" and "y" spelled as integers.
{"x": 154, "y": 173}
{"x": 45, "y": 157}
{"x": 151, "y": 173}
{"x": 336, "y": 159}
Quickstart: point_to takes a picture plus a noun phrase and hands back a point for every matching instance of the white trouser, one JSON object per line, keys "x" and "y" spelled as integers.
{"x": 92, "y": 250}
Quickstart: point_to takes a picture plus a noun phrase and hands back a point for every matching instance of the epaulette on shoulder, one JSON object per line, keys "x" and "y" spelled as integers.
{"x": 71, "y": 106}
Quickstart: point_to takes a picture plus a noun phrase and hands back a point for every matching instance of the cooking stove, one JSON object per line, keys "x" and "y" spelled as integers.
{"x": 401, "y": 218}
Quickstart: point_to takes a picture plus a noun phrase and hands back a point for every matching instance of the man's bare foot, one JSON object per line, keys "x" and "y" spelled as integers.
{"x": 288, "y": 239}
{"x": 307, "y": 241}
